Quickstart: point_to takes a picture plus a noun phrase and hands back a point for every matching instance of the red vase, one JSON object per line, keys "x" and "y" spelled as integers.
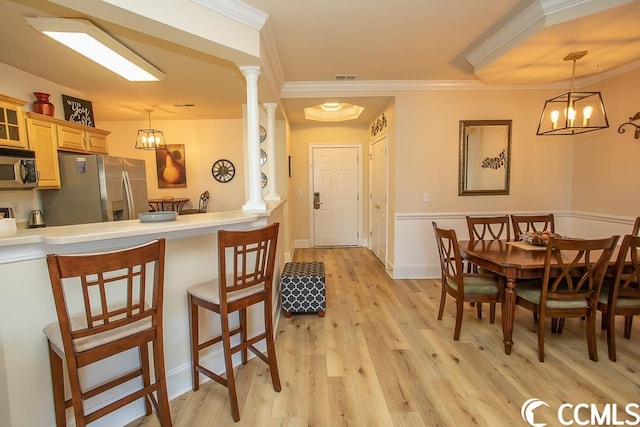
{"x": 42, "y": 105}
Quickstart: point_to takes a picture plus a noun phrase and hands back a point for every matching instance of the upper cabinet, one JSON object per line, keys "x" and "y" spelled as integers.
{"x": 44, "y": 142}
{"x": 47, "y": 135}
{"x": 12, "y": 133}
{"x": 79, "y": 138}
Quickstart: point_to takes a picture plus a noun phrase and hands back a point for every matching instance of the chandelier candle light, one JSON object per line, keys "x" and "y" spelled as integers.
{"x": 150, "y": 139}
{"x": 573, "y": 112}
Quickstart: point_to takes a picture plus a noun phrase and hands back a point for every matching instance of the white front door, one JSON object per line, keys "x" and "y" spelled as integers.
{"x": 378, "y": 198}
{"x": 335, "y": 196}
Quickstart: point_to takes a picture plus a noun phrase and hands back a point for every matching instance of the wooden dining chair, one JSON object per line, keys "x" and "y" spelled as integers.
{"x": 622, "y": 295}
{"x": 487, "y": 228}
{"x": 203, "y": 204}
{"x": 461, "y": 285}
{"x": 635, "y": 231}
{"x": 524, "y": 223}
{"x": 574, "y": 270}
{"x": 118, "y": 297}
{"x": 244, "y": 282}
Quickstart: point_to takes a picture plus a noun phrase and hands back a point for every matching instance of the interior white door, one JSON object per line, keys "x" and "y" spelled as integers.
{"x": 378, "y": 198}
{"x": 335, "y": 196}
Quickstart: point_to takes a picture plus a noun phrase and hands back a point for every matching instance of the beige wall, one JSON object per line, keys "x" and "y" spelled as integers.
{"x": 606, "y": 178}
{"x": 205, "y": 141}
{"x": 300, "y": 139}
{"x": 426, "y": 152}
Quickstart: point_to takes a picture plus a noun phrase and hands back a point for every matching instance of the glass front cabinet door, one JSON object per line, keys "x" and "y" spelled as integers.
{"x": 12, "y": 133}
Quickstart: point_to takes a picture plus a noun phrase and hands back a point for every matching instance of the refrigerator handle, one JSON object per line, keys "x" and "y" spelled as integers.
{"x": 128, "y": 193}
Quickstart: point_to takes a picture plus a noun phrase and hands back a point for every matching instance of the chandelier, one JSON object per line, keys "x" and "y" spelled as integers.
{"x": 150, "y": 139}
{"x": 573, "y": 112}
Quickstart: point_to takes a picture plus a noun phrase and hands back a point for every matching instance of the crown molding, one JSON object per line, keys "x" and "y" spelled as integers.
{"x": 355, "y": 88}
{"x": 237, "y": 11}
{"x": 270, "y": 60}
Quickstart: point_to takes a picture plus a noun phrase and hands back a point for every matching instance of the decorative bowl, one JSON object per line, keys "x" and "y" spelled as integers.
{"x": 538, "y": 238}
{"x": 158, "y": 216}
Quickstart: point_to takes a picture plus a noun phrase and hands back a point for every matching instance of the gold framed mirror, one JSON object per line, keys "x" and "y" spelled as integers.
{"x": 484, "y": 157}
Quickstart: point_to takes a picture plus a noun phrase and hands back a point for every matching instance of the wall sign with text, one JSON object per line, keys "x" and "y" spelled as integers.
{"x": 78, "y": 111}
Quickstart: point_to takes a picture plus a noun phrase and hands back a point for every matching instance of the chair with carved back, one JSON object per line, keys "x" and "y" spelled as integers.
{"x": 203, "y": 204}
{"x": 574, "y": 270}
{"x": 118, "y": 296}
{"x": 462, "y": 286}
{"x": 622, "y": 295}
{"x": 488, "y": 228}
{"x": 635, "y": 231}
{"x": 244, "y": 282}
{"x": 524, "y": 223}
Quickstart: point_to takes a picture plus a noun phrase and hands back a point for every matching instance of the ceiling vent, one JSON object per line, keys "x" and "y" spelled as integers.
{"x": 345, "y": 77}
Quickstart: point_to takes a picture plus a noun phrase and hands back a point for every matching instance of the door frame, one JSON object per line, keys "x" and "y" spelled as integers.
{"x": 310, "y": 147}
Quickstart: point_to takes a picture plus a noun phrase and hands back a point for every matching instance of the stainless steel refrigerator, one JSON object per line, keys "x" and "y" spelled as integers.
{"x": 96, "y": 188}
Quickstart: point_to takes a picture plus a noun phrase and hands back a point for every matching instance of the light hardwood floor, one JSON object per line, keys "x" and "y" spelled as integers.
{"x": 380, "y": 357}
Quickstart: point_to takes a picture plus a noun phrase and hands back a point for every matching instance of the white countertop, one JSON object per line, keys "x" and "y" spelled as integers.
{"x": 69, "y": 234}
{"x": 36, "y": 243}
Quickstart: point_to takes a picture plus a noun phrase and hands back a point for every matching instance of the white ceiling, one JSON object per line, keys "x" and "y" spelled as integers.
{"x": 388, "y": 45}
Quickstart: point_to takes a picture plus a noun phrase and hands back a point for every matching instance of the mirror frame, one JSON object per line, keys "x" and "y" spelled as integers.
{"x": 464, "y": 164}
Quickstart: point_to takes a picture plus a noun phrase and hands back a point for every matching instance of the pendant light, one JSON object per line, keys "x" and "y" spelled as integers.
{"x": 573, "y": 112}
{"x": 150, "y": 139}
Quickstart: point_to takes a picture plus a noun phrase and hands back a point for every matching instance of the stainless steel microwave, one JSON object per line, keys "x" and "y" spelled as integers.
{"x": 17, "y": 169}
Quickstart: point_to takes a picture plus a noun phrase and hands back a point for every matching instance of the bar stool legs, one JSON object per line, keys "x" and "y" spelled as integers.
{"x": 248, "y": 284}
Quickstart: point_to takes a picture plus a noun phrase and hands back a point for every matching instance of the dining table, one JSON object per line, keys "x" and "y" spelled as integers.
{"x": 168, "y": 204}
{"x": 513, "y": 260}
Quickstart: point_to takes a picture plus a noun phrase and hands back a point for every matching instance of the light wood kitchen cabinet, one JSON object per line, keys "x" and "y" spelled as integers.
{"x": 44, "y": 141}
{"x": 47, "y": 135}
{"x": 78, "y": 138}
{"x": 12, "y": 132}
{"x": 97, "y": 141}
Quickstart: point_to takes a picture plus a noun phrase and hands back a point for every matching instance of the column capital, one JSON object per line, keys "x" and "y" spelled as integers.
{"x": 250, "y": 70}
{"x": 270, "y": 106}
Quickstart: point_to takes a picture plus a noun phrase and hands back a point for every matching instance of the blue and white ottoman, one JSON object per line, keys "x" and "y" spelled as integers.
{"x": 303, "y": 288}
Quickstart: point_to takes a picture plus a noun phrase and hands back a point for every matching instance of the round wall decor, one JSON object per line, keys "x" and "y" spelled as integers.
{"x": 264, "y": 180}
{"x": 223, "y": 170}
{"x": 263, "y": 157}
{"x": 263, "y": 134}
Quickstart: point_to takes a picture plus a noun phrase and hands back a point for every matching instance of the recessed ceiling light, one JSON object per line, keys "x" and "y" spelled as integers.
{"x": 331, "y": 106}
{"x": 345, "y": 112}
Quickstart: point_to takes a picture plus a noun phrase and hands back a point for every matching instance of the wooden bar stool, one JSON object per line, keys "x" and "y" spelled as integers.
{"x": 109, "y": 290}
{"x": 247, "y": 281}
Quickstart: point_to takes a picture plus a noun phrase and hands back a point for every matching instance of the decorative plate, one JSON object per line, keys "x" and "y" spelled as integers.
{"x": 263, "y": 157}
{"x": 223, "y": 170}
{"x": 158, "y": 216}
{"x": 264, "y": 180}
{"x": 263, "y": 134}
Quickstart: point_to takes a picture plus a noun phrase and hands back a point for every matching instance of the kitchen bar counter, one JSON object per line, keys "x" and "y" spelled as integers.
{"x": 26, "y": 304}
{"x": 37, "y": 242}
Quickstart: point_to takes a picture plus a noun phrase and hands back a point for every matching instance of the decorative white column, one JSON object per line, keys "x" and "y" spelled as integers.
{"x": 272, "y": 169}
{"x": 252, "y": 175}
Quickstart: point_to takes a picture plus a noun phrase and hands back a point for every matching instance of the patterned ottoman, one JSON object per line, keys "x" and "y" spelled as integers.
{"x": 303, "y": 288}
